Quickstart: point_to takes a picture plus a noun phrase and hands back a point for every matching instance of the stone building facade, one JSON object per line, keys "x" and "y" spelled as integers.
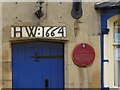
{"x": 84, "y": 30}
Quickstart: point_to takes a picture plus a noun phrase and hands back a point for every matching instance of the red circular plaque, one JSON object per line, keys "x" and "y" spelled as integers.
{"x": 83, "y": 55}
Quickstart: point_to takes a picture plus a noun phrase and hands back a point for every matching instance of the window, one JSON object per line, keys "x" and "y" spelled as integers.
{"x": 116, "y": 45}
{"x": 112, "y": 53}
{"x": 117, "y": 33}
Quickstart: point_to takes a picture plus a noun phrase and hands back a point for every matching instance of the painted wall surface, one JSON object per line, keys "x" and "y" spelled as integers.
{"x": 84, "y": 30}
{"x": 109, "y": 70}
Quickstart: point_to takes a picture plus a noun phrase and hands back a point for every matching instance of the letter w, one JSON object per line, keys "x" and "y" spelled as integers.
{"x": 31, "y": 31}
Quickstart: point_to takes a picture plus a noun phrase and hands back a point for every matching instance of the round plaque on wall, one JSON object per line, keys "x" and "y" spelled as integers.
{"x": 83, "y": 55}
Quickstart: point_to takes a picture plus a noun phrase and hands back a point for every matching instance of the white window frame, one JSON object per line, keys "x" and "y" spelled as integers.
{"x": 109, "y": 67}
{"x": 116, "y": 61}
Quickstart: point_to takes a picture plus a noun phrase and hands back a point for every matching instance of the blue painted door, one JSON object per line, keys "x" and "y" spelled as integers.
{"x": 37, "y": 65}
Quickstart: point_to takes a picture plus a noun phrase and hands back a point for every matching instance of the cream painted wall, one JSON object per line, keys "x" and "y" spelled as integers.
{"x": 56, "y": 14}
{"x": 109, "y": 54}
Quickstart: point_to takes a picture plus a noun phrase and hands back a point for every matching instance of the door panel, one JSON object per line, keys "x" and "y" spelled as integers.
{"x": 38, "y": 65}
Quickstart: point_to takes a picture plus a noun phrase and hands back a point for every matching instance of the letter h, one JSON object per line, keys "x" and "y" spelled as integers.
{"x": 16, "y": 31}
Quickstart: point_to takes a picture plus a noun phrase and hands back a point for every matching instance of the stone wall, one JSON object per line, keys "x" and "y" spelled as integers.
{"x": 56, "y": 14}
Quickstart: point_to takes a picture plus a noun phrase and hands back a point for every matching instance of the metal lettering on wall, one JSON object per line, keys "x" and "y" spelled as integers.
{"x": 30, "y": 31}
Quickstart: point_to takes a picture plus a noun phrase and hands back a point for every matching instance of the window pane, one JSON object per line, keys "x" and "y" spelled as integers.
{"x": 117, "y": 33}
{"x": 117, "y": 65}
{"x": 117, "y": 53}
